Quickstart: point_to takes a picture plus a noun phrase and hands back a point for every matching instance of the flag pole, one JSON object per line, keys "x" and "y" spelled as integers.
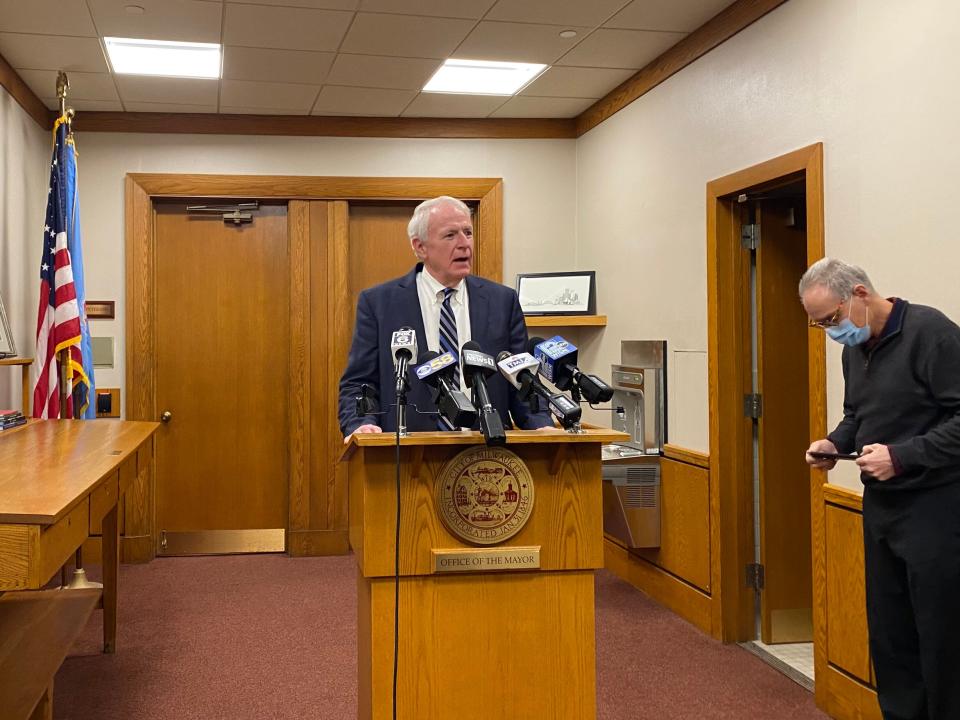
{"x": 79, "y": 574}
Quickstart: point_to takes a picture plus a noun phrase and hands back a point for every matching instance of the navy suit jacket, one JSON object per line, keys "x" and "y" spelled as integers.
{"x": 496, "y": 323}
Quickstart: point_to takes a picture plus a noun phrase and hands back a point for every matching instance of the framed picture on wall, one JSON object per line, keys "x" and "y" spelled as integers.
{"x": 7, "y": 346}
{"x": 560, "y": 293}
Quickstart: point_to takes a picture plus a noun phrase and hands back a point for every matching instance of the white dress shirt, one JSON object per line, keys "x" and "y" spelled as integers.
{"x": 430, "y": 292}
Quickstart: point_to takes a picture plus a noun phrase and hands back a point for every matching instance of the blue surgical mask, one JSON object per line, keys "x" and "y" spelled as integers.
{"x": 846, "y": 333}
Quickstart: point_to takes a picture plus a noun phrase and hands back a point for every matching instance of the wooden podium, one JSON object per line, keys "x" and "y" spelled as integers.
{"x": 489, "y": 643}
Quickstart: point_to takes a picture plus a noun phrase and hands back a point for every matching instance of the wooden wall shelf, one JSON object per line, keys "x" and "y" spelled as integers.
{"x": 566, "y": 320}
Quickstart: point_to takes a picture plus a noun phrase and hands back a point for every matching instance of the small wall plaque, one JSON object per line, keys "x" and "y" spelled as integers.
{"x": 99, "y": 309}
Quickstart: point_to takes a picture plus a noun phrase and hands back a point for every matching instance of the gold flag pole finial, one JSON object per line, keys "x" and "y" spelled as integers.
{"x": 63, "y": 84}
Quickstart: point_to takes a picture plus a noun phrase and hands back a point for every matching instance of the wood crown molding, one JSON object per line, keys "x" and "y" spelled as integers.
{"x": 715, "y": 31}
{"x": 720, "y": 28}
{"x": 327, "y": 126}
{"x": 24, "y": 96}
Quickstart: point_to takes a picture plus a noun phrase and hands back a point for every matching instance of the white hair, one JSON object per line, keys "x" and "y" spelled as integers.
{"x": 420, "y": 222}
{"x": 838, "y": 277}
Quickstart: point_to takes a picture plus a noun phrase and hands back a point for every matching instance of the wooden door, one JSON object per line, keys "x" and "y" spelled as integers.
{"x": 785, "y": 544}
{"x": 223, "y": 336}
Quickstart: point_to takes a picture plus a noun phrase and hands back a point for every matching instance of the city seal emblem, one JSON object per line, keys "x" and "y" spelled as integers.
{"x": 485, "y": 495}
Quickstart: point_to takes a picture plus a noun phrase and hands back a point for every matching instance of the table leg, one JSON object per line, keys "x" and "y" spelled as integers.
{"x": 25, "y": 381}
{"x": 111, "y": 569}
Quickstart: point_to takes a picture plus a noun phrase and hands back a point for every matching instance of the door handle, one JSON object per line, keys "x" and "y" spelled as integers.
{"x": 166, "y": 416}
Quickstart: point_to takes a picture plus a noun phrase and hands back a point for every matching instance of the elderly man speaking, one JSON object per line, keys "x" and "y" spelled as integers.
{"x": 447, "y": 307}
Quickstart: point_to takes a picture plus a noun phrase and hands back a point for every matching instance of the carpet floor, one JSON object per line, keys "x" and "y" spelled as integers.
{"x": 267, "y": 636}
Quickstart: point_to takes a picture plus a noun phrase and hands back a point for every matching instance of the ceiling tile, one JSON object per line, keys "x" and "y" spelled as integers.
{"x": 449, "y": 105}
{"x": 555, "y": 12}
{"x": 620, "y": 48}
{"x": 86, "y": 105}
{"x": 53, "y": 52}
{"x": 284, "y": 28}
{"x": 297, "y": 66}
{"x": 316, "y": 4}
{"x": 230, "y": 110}
{"x": 675, "y": 15}
{"x": 241, "y": 93}
{"x": 338, "y": 100}
{"x": 405, "y": 35}
{"x": 382, "y": 72}
{"x": 181, "y": 91}
{"x": 576, "y": 82}
{"x": 83, "y": 86}
{"x": 169, "y": 108}
{"x": 516, "y": 42}
{"x": 542, "y": 107}
{"x": 182, "y": 20}
{"x": 430, "y": 8}
{"x": 37, "y": 16}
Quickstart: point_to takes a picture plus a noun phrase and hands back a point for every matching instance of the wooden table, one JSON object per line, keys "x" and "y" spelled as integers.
{"x": 59, "y": 479}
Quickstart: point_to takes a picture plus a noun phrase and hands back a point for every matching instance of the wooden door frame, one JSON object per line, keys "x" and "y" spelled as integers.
{"x": 140, "y": 192}
{"x": 731, "y": 460}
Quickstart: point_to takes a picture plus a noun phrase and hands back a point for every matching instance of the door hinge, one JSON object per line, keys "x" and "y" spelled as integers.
{"x": 754, "y": 576}
{"x": 750, "y": 236}
{"x": 752, "y": 406}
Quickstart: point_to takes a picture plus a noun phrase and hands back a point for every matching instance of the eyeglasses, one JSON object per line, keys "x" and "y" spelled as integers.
{"x": 831, "y": 321}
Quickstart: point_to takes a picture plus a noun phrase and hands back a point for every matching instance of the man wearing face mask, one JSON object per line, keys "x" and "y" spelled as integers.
{"x": 901, "y": 412}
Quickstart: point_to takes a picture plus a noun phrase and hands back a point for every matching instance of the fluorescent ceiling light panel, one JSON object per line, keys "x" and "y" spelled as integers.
{"x": 482, "y": 77}
{"x": 164, "y": 57}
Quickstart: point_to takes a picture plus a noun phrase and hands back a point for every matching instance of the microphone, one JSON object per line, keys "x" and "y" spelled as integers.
{"x": 403, "y": 345}
{"x": 366, "y": 401}
{"x": 476, "y": 367}
{"x": 437, "y": 372}
{"x": 520, "y": 371}
{"x": 558, "y": 364}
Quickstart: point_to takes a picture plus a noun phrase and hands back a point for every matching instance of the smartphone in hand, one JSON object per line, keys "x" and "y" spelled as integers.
{"x": 832, "y": 456}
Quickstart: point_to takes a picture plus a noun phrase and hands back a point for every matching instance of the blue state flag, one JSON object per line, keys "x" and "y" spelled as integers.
{"x": 83, "y": 393}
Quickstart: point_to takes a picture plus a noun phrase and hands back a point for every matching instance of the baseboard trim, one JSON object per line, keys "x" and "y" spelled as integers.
{"x": 688, "y": 602}
{"x": 317, "y": 543}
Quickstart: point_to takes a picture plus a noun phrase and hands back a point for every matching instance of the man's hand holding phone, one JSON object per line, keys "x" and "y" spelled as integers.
{"x": 821, "y": 446}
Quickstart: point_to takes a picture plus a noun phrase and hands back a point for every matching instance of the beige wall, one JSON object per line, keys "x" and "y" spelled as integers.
{"x": 868, "y": 78}
{"x": 538, "y": 177}
{"x": 24, "y": 158}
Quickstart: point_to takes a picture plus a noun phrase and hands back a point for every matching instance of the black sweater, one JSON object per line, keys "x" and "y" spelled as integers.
{"x": 904, "y": 392}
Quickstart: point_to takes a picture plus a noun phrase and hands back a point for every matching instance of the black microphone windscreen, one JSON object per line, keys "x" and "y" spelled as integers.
{"x": 532, "y": 344}
{"x": 471, "y": 345}
{"x": 503, "y": 355}
{"x": 428, "y": 356}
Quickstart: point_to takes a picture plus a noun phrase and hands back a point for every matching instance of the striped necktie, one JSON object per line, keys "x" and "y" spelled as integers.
{"x": 449, "y": 343}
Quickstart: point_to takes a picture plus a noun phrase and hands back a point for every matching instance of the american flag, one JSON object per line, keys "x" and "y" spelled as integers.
{"x": 59, "y": 318}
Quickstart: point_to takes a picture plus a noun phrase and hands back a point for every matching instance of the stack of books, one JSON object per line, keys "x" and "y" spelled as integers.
{"x": 11, "y": 419}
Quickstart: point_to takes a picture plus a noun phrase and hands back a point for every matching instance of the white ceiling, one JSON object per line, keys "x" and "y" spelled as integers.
{"x": 345, "y": 57}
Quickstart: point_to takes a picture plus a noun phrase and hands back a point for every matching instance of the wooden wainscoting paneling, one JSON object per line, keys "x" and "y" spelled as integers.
{"x": 678, "y": 574}
{"x": 846, "y": 595}
{"x": 844, "y": 687}
{"x": 684, "y": 523}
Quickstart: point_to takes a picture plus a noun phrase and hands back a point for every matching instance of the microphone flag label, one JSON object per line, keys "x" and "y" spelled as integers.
{"x": 484, "y": 495}
{"x": 478, "y": 359}
{"x": 404, "y": 338}
{"x": 436, "y": 365}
